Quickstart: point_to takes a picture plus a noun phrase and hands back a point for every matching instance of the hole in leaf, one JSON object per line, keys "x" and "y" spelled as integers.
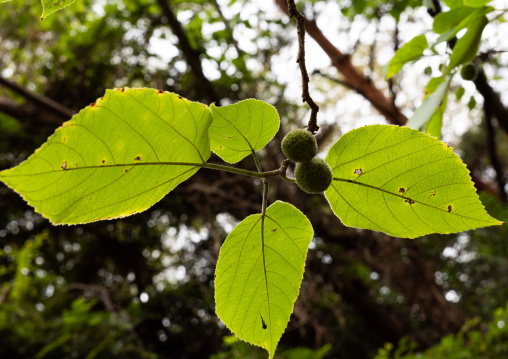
{"x": 358, "y": 171}
{"x": 263, "y": 322}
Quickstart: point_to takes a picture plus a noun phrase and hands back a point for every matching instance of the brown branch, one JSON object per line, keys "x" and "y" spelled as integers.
{"x": 300, "y": 59}
{"x": 360, "y": 83}
{"x": 30, "y": 112}
{"x": 492, "y": 100}
{"x": 44, "y": 101}
{"x": 391, "y": 83}
{"x": 494, "y": 159}
{"x": 333, "y": 79}
{"x": 190, "y": 54}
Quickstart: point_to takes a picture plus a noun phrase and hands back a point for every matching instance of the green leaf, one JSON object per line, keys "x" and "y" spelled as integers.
{"x": 411, "y": 51}
{"x": 1, "y": 1}
{"x": 50, "y": 6}
{"x": 450, "y": 19}
{"x": 455, "y": 18}
{"x": 433, "y": 101}
{"x": 241, "y": 129}
{"x": 402, "y": 182}
{"x": 259, "y": 272}
{"x": 435, "y": 123}
{"x": 453, "y": 3}
{"x": 117, "y": 157}
{"x": 472, "y": 103}
{"x": 467, "y": 46}
{"x": 460, "y": 92}
{"x": 476, "y": 3}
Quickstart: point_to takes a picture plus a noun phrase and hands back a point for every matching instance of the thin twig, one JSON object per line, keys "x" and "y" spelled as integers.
{"x": 38, "y": 99}
{"x": 228, "y": 29}
{"x": 342, "y": 62}
{"x": 192, "y": 55}
{"x": 372, "y": 53}
{"x": 300, "y": 26}
{"x": 391, "y": 83}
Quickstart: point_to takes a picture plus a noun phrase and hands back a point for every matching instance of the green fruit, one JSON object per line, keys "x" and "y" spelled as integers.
{"x": 314, "y": 176}
{"x": 468, "y": 71}
{"x": 299, "y": 146}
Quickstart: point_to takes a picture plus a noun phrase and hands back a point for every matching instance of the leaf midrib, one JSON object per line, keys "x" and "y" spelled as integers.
{"x": 108, "y": 166}
{"x": 403, "y": 197}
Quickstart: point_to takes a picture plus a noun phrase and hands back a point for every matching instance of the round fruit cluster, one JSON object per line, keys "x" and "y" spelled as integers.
{"x": 313, "y": 175}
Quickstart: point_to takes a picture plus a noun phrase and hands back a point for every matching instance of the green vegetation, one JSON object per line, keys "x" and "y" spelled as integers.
{"x": 299, "y": 146}
{"x": 151, "y": 133}
{"x": 314, "y": 176}
{"x": 468, "y": 72}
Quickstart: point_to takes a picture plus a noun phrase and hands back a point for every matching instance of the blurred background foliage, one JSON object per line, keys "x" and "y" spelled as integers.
{"x": 142, "y": 286}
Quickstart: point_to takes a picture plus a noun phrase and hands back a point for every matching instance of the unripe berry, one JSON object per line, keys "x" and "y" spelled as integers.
{"x": 314, "y": 176}
{"x": 468, "y": 71}
{"x": 299, "y": 146}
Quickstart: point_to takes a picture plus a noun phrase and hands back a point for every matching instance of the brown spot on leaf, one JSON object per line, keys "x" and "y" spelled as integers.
{"x": 402, "y": 190}
{"x": 160, "y": 91}
{"x": 64, "y": 165}
{"x": 410, "y": 201}
{"x": 358, "y": 171}
{"x": 137, "y": 158}
{"x": 449, "y": 208}
{"x": 180, "y": 97}
{"x": 274, "y": 230}
{"x": 263, "y": 322}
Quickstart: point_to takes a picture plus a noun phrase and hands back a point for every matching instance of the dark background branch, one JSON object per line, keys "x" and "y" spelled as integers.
{"x": 300, "y": 25}
{"x": 191, "y": 55}
{"x": 494, "y": 159}
{"x": 360, "y": 83}
{"x": 44, "y": 101}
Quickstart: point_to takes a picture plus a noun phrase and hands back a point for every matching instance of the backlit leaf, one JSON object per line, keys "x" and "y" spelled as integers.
{"x": 467, "y": 46}
{"x": 116, "y": 157}
{"x": 259, "y": 272}
{"x": 476, "y": 3}
{"x": 411, "y": 51}
{"x": 50, "y": 6}
{"x": 453, "y": 3}
{"x": 241, "y": 129}
{"x": 448, "y": 24}
{"x": 402, "y": 182}
{"x": 450, "y": 19}
{"x": 432, "y": 107}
